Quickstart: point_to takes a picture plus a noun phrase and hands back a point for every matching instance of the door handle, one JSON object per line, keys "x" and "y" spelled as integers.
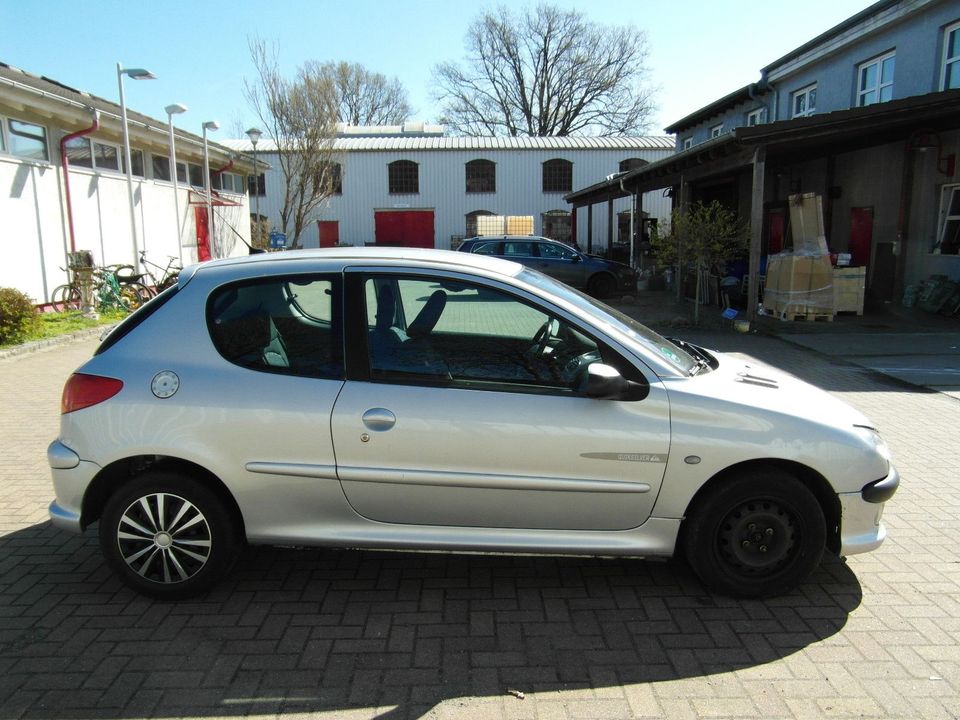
{"x": 379, "y": 419}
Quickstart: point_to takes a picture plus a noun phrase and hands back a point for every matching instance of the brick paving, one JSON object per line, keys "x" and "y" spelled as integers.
{"x": 347, "y": 634}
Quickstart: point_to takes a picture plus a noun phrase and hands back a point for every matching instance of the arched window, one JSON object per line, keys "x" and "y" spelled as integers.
{"x": 403, "y": 177}
{"x": 632, "y": 164}
{"x": 481, "y": 176}
{"x": 472, "y": 221}
{"x": 557, "y": 225}
{"x": 557, "y": 176}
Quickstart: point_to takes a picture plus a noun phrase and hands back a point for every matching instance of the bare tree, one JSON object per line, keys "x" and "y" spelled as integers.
{"x": 363, "y": 97}
{"x": 546, "y": 72}
{"x": 300, "y": 116}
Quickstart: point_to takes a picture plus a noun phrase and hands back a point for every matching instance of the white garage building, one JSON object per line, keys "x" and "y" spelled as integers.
{"x": 63, "y": 186}
{"x": 410, "y": 185}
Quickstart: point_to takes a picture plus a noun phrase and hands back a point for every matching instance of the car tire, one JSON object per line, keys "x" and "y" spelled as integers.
{"x": 602, "y": 286}
{"x": 759, "y": 534}
{"x": 168, "y": 536}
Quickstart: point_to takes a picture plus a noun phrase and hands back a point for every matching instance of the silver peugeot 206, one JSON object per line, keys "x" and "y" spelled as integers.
{"x": 417, "y": 399}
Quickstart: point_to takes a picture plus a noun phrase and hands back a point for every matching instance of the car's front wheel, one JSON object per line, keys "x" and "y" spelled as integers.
{"x": 168, "y": 536}
{"x": 602, "y": 286}
{"x": 758, "y": 534}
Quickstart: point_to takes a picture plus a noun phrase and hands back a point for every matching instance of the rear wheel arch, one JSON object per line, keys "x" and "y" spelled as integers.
{"x": 112, "y": 477}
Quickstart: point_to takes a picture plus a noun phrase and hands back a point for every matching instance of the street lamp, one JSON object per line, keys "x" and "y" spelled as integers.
{"x": 172, "y": 110}
{"x": 134, "y": 74}
{"x": 254, "y": 135}
{"x": 209, "y": 125}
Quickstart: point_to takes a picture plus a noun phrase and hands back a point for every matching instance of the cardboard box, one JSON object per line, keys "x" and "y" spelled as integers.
{"x": 806, "y": 224}
{"x": 505, "y": 225}
{"x": 799, "y": 285}
{"x": 849, "y": 284}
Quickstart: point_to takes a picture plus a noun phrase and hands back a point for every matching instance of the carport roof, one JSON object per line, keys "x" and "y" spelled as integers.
{"x": 835, "y": 132}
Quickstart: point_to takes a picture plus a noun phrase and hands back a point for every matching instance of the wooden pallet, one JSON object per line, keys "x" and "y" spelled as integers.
{"x": 809, "y": 317}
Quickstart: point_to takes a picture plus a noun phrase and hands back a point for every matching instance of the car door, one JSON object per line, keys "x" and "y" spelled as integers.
{"x": 561, "y": 263}
{"x": 470, "y": 417}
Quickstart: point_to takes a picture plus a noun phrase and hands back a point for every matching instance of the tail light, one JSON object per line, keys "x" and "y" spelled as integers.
{"x": 82, "y": 391}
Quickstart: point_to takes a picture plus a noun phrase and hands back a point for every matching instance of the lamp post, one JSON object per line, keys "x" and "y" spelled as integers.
{"x": 135, "y": 74}
{"x": 172, "y": 110}
{"x": 209, "y": 125}
{"x": 254, "y": 135}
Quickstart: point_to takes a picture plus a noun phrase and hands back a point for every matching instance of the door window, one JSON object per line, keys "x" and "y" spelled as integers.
{"x": 555, "y": 252}
{"x": 513, "y": 248}
{"x": 469, "y": 336}
{"x": 287, "y": 325}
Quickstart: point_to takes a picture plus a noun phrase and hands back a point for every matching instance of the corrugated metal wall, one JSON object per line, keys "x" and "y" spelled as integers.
{"x": 442, "y": 188}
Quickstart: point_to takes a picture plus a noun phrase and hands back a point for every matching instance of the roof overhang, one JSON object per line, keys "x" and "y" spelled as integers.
{"x": 785, "y": 141}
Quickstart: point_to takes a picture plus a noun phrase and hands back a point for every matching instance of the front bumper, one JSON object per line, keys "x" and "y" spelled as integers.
{"x": 861, "y": 529}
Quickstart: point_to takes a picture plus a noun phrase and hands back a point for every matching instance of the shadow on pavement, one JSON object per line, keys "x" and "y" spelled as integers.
{"x": 383, "y": 634}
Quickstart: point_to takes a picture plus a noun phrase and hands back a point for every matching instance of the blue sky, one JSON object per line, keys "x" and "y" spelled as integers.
{"x": 699, "y": 51}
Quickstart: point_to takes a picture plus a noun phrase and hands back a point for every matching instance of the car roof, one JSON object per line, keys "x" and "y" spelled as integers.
{"x": 447, "y": 259}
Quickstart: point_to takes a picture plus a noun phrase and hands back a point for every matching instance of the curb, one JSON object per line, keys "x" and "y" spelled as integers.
{"x": 53, "y": 342}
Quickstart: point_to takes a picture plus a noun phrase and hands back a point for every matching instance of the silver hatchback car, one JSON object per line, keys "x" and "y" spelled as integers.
{"x": 392, "y": 398}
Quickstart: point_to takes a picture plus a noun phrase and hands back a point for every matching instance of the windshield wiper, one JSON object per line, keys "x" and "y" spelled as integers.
{"x": 701, "y": 359}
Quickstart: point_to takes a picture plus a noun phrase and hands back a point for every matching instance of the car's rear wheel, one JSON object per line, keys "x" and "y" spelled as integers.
{"x": 168, "y": 536}
{"x": 602, "y": 286}
{"x": 759, "y": 534}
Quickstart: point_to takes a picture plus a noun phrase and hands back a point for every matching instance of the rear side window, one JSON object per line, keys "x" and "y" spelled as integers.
{"x": 286, "y": 325}
{"x": 136, "y": 319}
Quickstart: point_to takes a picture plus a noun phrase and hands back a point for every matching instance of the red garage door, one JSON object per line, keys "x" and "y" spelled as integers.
{"x": 404, "y": 228}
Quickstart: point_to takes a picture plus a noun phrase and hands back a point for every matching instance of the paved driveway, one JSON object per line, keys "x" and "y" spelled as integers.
{"x": 345, "y": 634}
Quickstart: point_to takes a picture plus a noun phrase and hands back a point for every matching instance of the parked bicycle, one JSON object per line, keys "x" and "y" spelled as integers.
{"x": 108, "y": 293}
{"x": 167, "y": 275}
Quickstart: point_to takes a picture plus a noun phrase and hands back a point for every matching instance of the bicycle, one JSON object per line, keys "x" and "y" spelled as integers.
{"x": 108, "y": 293}
{"x": 169, "y": 274}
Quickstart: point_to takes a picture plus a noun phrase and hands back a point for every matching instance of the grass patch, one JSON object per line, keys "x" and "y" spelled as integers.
{"x": 52, "y": 324}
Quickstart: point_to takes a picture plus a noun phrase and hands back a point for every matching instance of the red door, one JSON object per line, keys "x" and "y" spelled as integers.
{"x": 861, "y": 235}
{"x": 404, "y": 228}
{"x": 329, "y": 232}
{"x": 203, "y": 234}
{"x": 776, "y": 222}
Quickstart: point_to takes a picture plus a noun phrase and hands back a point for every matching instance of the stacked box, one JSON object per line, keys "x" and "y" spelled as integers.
{"x": 519, "y": 224}
{"x": 799, "y": 285}
{"x": 505, "y": 225}
{"x": 848, "y": 289}
{"x": 806, "y": 224}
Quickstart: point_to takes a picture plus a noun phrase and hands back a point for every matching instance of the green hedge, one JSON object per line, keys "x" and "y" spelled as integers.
{"x": 18, "y": 316}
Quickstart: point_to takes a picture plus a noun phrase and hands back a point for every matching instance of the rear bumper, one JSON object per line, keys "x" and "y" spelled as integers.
{"x": 71, "y": 478}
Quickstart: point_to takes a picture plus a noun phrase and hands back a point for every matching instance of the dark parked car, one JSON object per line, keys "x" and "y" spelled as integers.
{"x": 599, "y": 277}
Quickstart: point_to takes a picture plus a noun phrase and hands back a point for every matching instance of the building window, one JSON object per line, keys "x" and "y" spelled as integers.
{"x": 161, "y": 167}
{"x": 557, "y": 176}
{"x": 333, "y": 182}
{"x": 632, "y": 164}
{"x": 106, "y": 157}
{"x": 403, "y": 177}
{"x": 182, "y": 173}
{"x": 196, "y": 175}
{"x": 79, "y": 153}
{"x": 28, "y": 140}
{"x": 557, "y": 225}
{"x": 804, "y": 101}
{"x": 716, "y": 130}
{"x": 756, "y": 117}
{"x": 875, "y": 80}
{"x": 951, "y": 57}
{"x": 471, "y": 230}
{"x": 257, "y": 184}
{"x": 948, "y": 239}
{"x": 136, "y": 160}
{"x": 231, "y": 182}
{"x": 687, "y": 143}
{"x": 481, "y": 176}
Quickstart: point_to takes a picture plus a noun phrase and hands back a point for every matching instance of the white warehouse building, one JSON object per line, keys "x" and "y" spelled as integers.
{"x": 63, "y": 187}
{"x": 410, "y": 185}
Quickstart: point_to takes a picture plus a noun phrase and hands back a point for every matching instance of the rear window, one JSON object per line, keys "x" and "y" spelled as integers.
{"x": 286, "y": 325}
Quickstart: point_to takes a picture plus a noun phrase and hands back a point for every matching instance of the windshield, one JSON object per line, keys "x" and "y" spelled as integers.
{"x": 606, "y": 315}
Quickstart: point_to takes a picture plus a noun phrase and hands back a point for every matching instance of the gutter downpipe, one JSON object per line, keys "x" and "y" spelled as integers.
{"x": 633, "y": 205}
{"x": 65, "y": 164}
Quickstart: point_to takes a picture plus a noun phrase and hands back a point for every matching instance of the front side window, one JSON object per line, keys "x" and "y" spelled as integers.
{"x": 875, "y": 80}
{"x": 488, "y": 248}
{"x": 557, "y": 176}
{"x": 286, "y": 325}
{"x": 403, "y": 177}
{"x": 804, "y": 101}
{"x": 555, "y": 252}
{"x": 951, "y": 58}
{"x": 28, "y": 140}
{"x": 461, "y": 335}
{"x": 481, "y": 176}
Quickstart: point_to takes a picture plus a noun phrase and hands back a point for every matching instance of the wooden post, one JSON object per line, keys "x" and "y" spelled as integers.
{"x": 573, "y": 226}
{"x": 589, "y": 228}
{"x": 609, "y": 226}
{"x": 756, "y": 229}
{"x": 685, "y": 192}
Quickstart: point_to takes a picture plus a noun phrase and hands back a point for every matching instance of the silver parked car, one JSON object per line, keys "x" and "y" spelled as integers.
{"x": 395, "y": 398}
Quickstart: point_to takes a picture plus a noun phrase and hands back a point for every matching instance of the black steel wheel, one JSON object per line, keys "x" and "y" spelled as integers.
{"x": 168, "y": 536}
{"x": 759, "y": 534}
{"x": 602, "y": 286}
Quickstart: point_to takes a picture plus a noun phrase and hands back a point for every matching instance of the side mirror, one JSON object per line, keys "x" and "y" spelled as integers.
{"x": 575, "y": 259}
{"x": 604, "y": 382}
